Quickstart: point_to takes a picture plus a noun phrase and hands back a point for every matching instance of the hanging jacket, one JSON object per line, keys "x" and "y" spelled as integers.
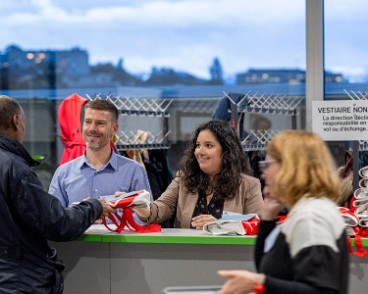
{"x": 223, "y": 111}
{"x": 70, "y": 121}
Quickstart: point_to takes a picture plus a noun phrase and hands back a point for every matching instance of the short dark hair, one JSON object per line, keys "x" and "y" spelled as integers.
{"x": 105, "y": 105}
{"x": 8, "y": 108}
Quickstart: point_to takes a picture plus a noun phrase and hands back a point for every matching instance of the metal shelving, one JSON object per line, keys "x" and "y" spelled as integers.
{"x": 144, "y": 107}
{"x": 264, "y": 104}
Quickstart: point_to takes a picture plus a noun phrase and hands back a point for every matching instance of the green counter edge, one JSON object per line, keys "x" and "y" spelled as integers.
{"x": 142, "y": 238}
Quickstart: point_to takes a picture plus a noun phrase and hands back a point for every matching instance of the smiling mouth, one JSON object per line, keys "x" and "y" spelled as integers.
{"x": 202, "y": 159}
{"x": 93, "y": 135}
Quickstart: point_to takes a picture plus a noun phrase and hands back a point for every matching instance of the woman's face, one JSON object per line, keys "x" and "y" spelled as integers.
{"x": 270, "y": 169}
{"x": 208, "y": 153}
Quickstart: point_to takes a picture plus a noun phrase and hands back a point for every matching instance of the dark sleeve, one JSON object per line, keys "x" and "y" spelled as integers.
{"x": 274, "y": 285}
{"x": 324, "y": 278}
{"x": 265, "y": 228}
{"x": 44, "y": 216}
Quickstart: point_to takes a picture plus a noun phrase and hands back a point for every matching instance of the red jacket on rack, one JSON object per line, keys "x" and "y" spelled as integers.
{"x": 70, "y": 121}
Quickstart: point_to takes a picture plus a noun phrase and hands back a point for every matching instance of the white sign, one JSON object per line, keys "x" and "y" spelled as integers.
{"x": 344, "y": 120}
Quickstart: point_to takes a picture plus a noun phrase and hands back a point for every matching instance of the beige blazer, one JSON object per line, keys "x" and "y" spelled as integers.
{"x": 177, "y": 199}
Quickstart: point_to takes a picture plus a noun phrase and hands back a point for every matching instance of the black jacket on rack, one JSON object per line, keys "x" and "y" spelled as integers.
{"x": 160, "y": 175}
{"x": 222, "y": 111}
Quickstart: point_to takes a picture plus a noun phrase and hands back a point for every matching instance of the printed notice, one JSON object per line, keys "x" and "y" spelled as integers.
{"x": 344, "y": 120}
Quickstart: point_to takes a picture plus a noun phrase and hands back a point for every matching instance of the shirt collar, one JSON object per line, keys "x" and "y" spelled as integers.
{"x": 112, "y": 163}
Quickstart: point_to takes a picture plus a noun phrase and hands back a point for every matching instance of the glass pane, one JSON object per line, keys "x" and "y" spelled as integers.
{"x": 194, "y": 52}
{"x": 346, "y": 58}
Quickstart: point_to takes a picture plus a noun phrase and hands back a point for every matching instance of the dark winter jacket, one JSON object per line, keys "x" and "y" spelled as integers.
{"x": 28, "y": 218}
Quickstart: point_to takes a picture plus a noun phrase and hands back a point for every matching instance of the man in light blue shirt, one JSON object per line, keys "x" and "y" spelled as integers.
{"x": 100, "y": 171}
{"x": 78, "y": 179}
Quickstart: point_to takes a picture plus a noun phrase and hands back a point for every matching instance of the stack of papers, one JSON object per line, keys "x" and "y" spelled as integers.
{"x": 228, "y": 225}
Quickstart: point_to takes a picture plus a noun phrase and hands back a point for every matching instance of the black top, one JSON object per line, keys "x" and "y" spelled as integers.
{"x": 307, "y": 254}
{"x": 215, "y": 207}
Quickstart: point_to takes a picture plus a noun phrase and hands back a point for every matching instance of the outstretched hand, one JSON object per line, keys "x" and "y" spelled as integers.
{"x": 107, "y": 209}
{"x": 240, "y": 282}
{"x": 142, "y": 211}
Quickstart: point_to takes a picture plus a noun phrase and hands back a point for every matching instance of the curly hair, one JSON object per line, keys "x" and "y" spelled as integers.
{"x": 234, "y": 161}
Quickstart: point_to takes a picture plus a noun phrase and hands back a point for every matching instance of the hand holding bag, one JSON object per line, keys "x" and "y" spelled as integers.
{"x": 125, "y": 221}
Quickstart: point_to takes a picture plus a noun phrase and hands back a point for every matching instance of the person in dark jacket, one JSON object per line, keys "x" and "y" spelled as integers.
{"x": 30, "y": 216}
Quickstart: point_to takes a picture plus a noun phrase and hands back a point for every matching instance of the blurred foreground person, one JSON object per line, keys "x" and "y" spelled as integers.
{"x": 30, "y": 216}
{"x": 307, "y": 253}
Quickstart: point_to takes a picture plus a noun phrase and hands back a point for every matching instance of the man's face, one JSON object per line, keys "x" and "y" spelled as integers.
{"x": 98, "y": 128}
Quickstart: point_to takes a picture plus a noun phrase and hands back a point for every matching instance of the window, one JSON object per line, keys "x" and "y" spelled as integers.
{"x": 191, "y": 51}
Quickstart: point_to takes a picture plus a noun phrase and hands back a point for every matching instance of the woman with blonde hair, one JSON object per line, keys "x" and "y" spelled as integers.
{"x": 307, "y": 253}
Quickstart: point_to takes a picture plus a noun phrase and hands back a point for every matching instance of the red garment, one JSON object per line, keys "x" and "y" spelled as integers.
{"x": 70, "y": 121}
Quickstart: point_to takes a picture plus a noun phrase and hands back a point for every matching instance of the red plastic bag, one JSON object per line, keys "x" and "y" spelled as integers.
{"x": 125, "y": 221}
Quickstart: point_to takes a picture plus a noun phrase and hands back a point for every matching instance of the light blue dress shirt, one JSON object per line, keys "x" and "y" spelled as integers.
{"x": 77, "y": 179}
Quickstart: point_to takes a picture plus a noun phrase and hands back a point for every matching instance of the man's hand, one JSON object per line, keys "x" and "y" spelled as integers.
{"x": 106, "y": 211}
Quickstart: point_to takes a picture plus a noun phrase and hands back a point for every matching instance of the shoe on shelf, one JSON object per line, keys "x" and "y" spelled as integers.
{"x": 359, "y": 198}
{"x": 356, "y": 202}
{"x": 363, "y": 222}
{"x": 362, "y": 211}
{"x": 361, "y": 193}
{"x": 363, "y": 183}
{"x": 363, "y": 172}
{"x": 349, "y": 217}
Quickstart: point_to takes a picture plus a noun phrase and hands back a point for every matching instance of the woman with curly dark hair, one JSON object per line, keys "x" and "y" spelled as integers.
{"x": 212, "y": 180}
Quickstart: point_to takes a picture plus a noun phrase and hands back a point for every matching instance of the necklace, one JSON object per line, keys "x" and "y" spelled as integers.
{"x": 209, "y": 198}
{"x": 209, "y": 191}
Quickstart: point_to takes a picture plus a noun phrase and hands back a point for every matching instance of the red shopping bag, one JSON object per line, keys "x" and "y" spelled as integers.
{"x": 125, "y": 221}
{"x": 251, "y": 226}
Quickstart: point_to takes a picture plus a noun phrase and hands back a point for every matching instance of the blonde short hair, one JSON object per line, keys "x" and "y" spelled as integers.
{"x": 307, "y": 167}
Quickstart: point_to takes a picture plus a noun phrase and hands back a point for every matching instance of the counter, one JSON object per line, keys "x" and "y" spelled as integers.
{"x": 104, "y": 262}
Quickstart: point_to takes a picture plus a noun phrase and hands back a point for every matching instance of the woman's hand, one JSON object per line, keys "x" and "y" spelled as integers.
{"x": 199, "y": 221}
{"x": 143, "y": 212}
{"x": 240, "y": 281}
{"x": 271, "y": 207}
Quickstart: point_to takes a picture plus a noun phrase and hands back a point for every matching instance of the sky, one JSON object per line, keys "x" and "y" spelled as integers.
{"x": 188, "y": 34}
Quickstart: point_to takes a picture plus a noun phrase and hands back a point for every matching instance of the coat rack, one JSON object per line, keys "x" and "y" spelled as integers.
{"x": 264, "y": 104}
{"x": 143, "y": 107}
